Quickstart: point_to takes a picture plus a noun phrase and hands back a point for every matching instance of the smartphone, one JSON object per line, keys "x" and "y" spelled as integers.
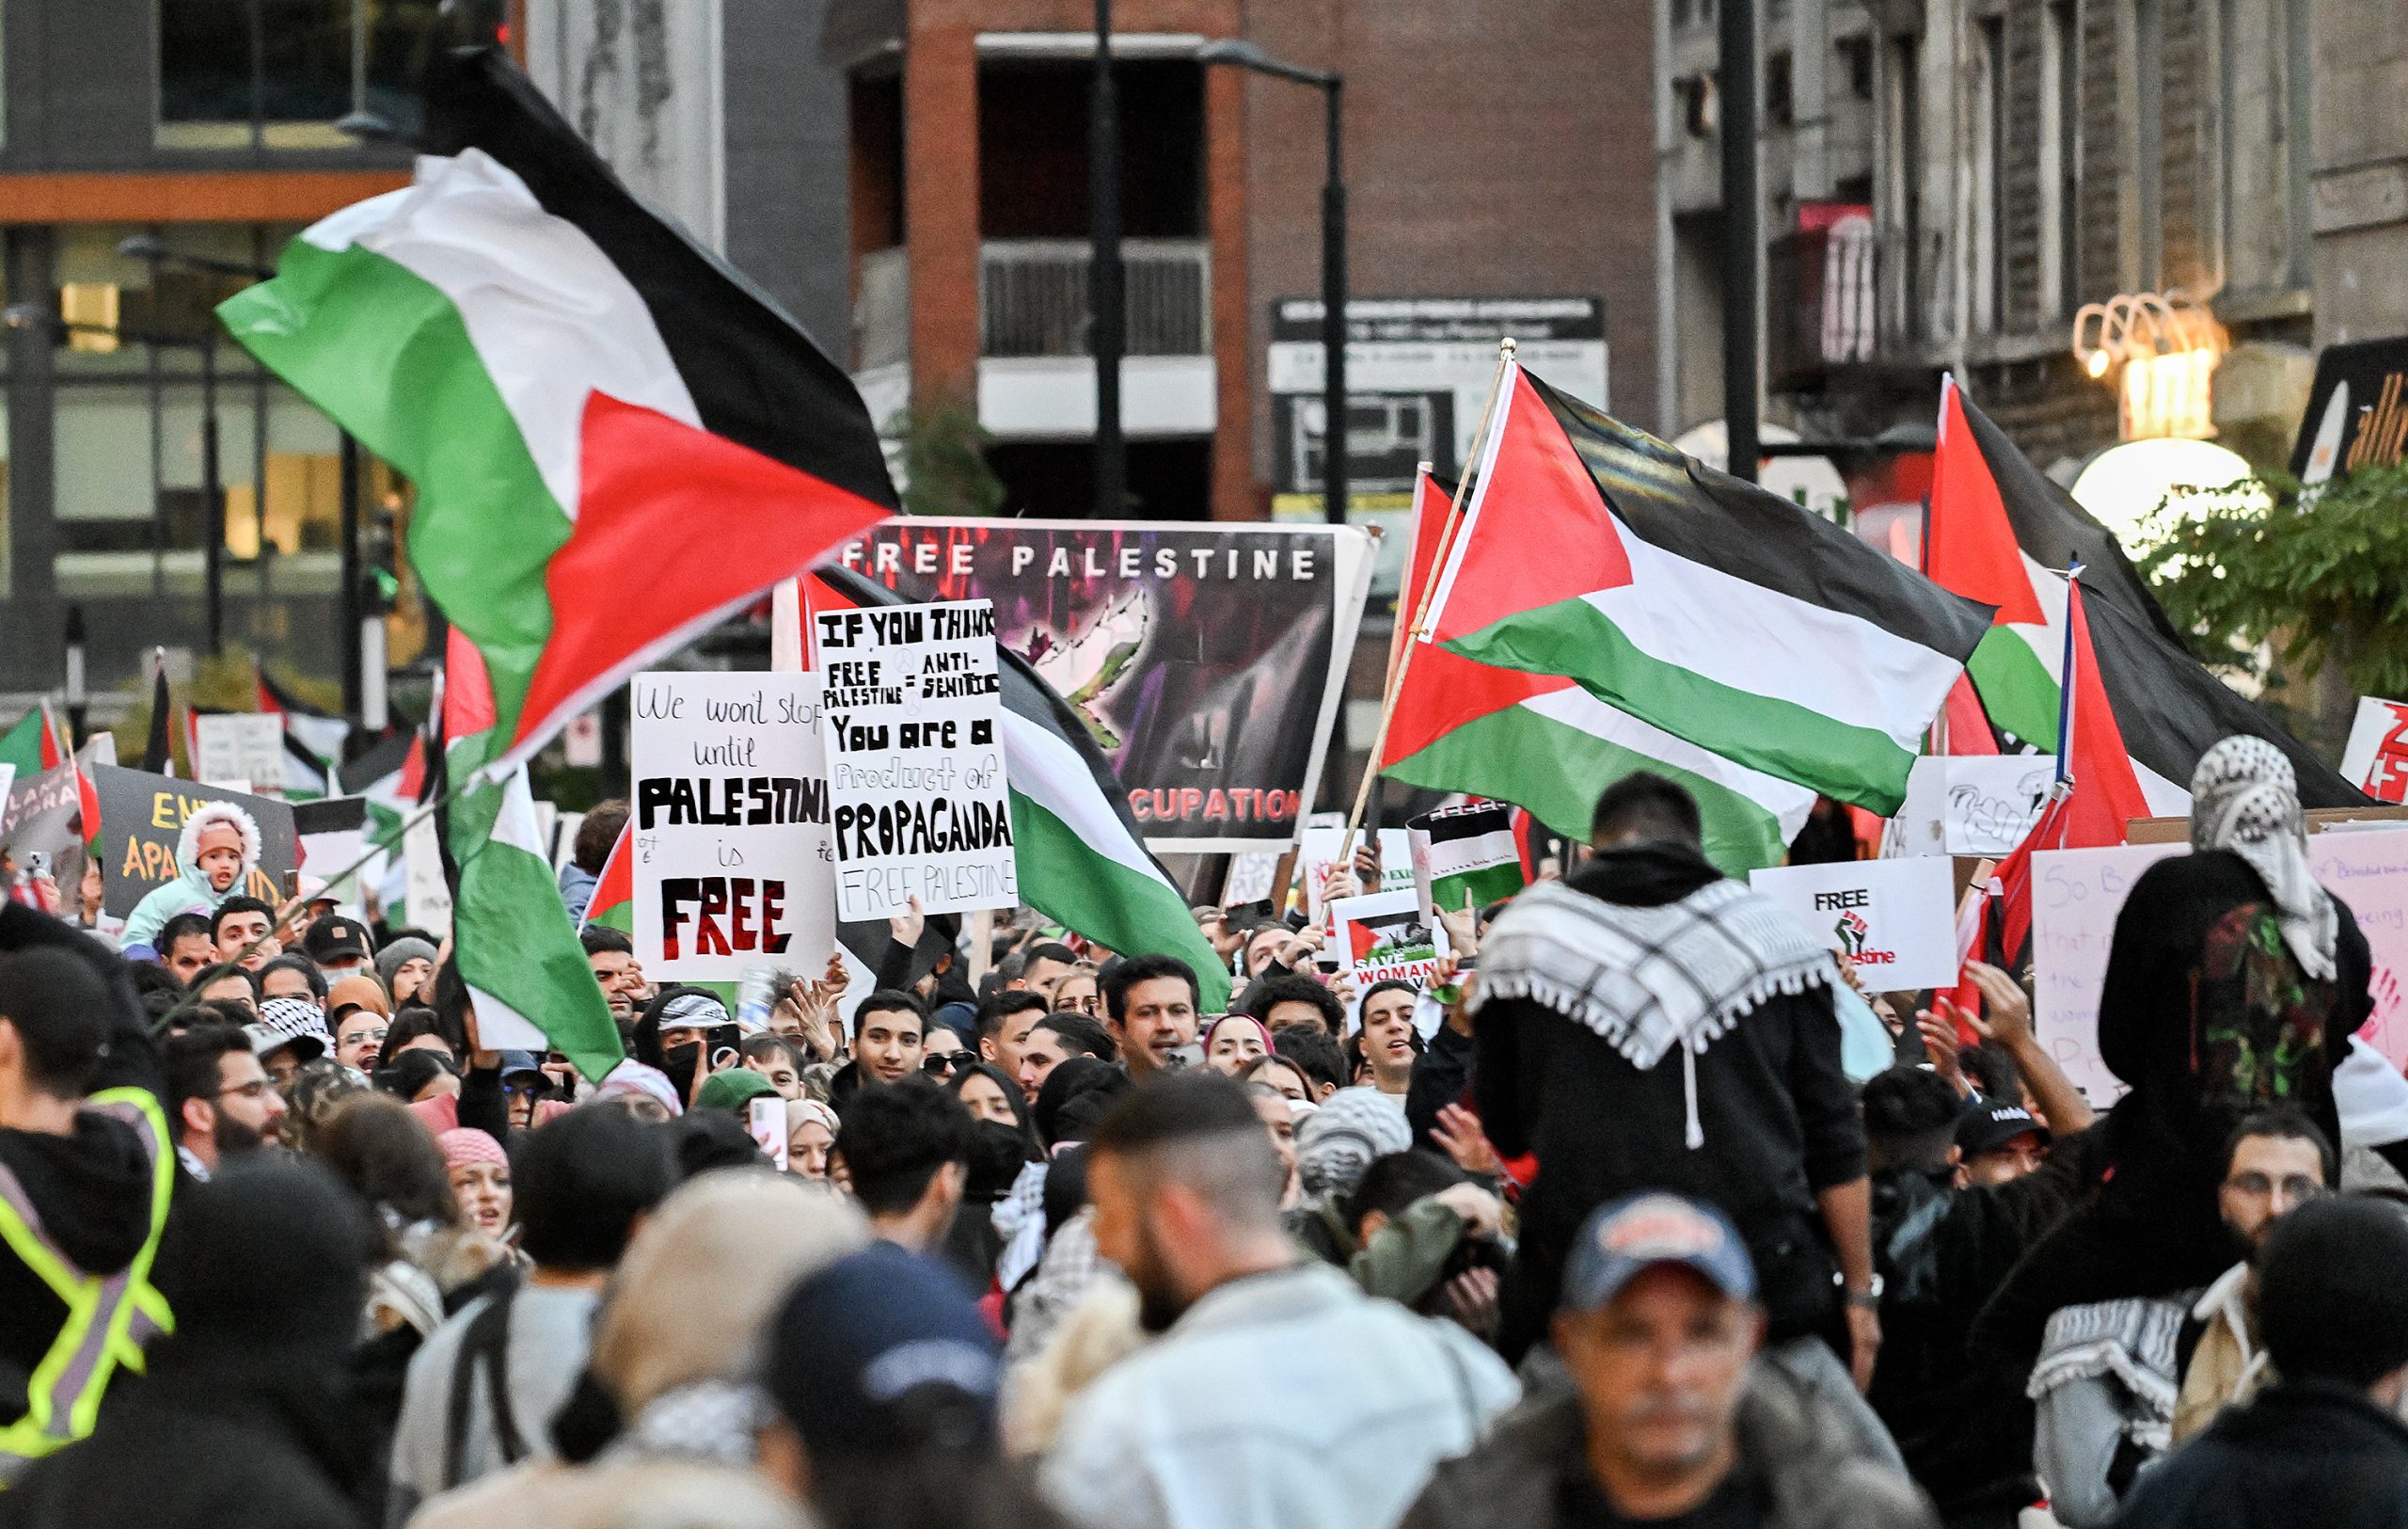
{"x": 766, "y": 1118}
{"x": 291, "y": 884}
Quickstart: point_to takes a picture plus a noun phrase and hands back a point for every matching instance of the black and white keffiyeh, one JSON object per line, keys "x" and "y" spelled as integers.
{"x": 2244, "y": 798}
{"x": 1648, "y": 978}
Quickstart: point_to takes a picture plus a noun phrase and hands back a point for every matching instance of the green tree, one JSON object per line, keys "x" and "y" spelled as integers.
{"x": 944, "y": 463}
{"x": 2315, "y": 578}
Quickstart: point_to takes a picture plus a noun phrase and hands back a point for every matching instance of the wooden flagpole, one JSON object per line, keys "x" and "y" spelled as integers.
{"x": 1505, "y": 349}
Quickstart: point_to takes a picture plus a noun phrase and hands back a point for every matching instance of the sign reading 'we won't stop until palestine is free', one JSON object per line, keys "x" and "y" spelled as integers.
{"x": 918, "y": 799}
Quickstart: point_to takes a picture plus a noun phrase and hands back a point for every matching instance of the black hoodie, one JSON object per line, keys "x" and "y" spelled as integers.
{"x": 1780, "y": 1117}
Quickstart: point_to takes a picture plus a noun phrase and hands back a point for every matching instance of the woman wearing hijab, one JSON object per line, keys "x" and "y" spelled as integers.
{"x": 2234, "y": 982}
{"x": 1232, "y": 1042}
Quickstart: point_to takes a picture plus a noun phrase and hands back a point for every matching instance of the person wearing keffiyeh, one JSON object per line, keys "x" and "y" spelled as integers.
{"x": 1651, "y": 1024}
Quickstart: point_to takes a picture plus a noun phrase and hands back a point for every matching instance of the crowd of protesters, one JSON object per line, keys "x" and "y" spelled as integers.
{"x": 1612, "y": 1224}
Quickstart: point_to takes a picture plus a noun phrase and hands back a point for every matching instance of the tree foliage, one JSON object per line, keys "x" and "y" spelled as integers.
{"x": 2316, "y": 577}
{"x": 943, "y": 461}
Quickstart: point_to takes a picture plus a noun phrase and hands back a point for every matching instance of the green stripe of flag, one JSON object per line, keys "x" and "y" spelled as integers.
{"x": 1105, "y": 900}
{"x": 2016, "y": 687}
{"x": 1762, "y": 732}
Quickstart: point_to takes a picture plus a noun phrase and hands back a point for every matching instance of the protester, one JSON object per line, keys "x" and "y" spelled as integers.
{"x": 597, "y": 833}
{"x": 1338, "y": 1140}
{"x": 1587, "y": 989}
{"x": 428, "y": 1253}
{"x": 889, "y": 1028}
{"x": 484, "y": 1386}
{"x": 1150, "y": 1002}
{"x": 1054, "y": 1040}
{"x": 187, "y": 945}
{"x": 221, "y": 1101}
{"x": 359, "y": 1016}
{"x": 1285, "y": 1000}
{"x": 905, "y": 1151}
{"x": 885, "y": 1377}
{"x": 406, "y": 964}
{"x": 479, "y": 1171}
{"x": 419, "y": 1029}
{"x": 229, "y": 983}
{"x": 244, "y": 1414}
{"x": 241, "y": 927}
{"x": 613, "y": 957}
{"x": 1322, "y": 1060}
{"x": 292, "y": 976}
{"x": 1388, "y": 1044}
{"x": 1080, "y": 993}
{"x": 217, "y": 851}
{"x": 1076, "y": 1095}
{"x": 1040, "y": 969}
{"x": 2235, "y": 981}
{"x": 89, "y": 1150}
{"x": 339, "y": 946}
{"x": 1186, "y": 1192}
{"x": 1657, "y": 1325}
{"x": 811, "y": 1134}
{"x": 1232, "y": 1042}
{"x": 1279, "y": 1115}
{"x": 1281, "y": 1076}
{"x": 2323, "y": 1446}
{"x": 775, "y": 1059}
{"x": 1006, "y": 1018}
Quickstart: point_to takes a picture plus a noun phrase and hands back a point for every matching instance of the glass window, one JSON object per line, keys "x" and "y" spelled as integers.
{"x": 281, "y": 74}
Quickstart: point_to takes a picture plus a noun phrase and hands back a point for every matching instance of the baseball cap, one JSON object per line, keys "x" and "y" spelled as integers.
{"x": 267, "y": 1038}
{"x": 334, "y": 935}
{"x": 516, "y": 1062}
{"x": 885, "y": 1353}
{"x": 1988, "y": 1124}
{"x": 1625, "y": 1238}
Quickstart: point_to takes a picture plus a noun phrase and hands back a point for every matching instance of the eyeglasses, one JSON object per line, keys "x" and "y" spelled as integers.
{"x": 941, "y": 1063}
{"x": 373, "y": 1037}
{"x": 255, "y": 1089}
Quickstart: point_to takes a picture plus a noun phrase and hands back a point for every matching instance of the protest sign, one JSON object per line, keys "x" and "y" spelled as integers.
{"x": 1466, "y": 856}
{"x": 239, "y": 749}
{"x": 1317, "y": 851}
{"x": 1207, "y": 661}
{"x": 1972, "y": 805}
{"x": 142, "y": 815}
{"x": 332, "y": 834}
{"x": 426, "y": 893}
{"x": 915, "y": 769}
{"x": 1894, "y": 918}
{"x": 1384, "y": 936}
{"x": 733, "y": 866}
{"x": 2376, "y": 760}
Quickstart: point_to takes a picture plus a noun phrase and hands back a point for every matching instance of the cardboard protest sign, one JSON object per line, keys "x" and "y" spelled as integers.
{"x": 1385, "y": 936}
{"x": 916, "y": 766}
{"x": 241, "y": 750}
{"x": 1466, "y": 856}
{"x": 38, "y": 814}
{"x": 1897, "y": 920}
{"x": 733, "y": 864}
{"x": 1317, "y": 851}
{"x": 1972, "y": 805}
{"x": 2376, "y": 760}
{"x": 143, "y": 814}
{"x": 1206, "y": 660}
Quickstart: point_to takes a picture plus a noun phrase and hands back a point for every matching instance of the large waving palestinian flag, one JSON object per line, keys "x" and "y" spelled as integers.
{"x": 1723, "y": 616}
{"x": 1548, "y": 746}
{"x": 1999, "y": 532}
{"x": 1081, "y": 862}
{"x": 616, "y": 441}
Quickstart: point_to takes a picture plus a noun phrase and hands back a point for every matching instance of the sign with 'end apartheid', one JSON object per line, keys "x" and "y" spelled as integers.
{"x": 1897, "y": 920}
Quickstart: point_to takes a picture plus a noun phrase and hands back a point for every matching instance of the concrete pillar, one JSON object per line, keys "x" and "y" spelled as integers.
{"x": 941, "y": 211}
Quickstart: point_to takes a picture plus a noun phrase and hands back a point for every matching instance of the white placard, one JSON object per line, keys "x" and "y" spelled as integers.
{"x": 733, "y": 866}
{"x": 232, "y": 746}
{"x": 915, "y": 765}
{"x": 1972, "y": 805}
{"x": 2076, "y": 895}
{"x": 426, "y": 896}
{"x": 2376, "y": 760}
{"x": 1385, "y": 936}
{"x": 1317, "y": 850}
{"x": 1895, "y": 919}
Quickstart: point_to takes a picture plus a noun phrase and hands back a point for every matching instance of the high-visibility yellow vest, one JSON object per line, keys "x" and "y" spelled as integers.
{"x": 109, "y": 1317}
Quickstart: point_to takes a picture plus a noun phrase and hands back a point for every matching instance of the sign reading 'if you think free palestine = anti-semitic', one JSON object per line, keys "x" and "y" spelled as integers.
{"x": 916, "y": 766}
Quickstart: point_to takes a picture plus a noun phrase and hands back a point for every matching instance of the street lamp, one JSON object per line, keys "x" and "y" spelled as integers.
{"x": 1240, "y": 54}
{"x": 76, "y": 698}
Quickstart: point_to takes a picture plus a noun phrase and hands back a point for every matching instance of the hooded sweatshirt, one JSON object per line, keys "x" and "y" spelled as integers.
{"x": 190, "y": 892}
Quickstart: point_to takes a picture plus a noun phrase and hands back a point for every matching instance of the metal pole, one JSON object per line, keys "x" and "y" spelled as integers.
{"x": 213, "y": 500}
{"x": 1109, "y": 317}
{"x": 1333, "y": 317}
{"x": 77, "y": 694}
{"x": 349, "y": 604}
{"x": 1741, "y": 240}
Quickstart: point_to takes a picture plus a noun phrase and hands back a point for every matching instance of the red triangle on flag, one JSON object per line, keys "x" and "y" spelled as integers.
{"x": 1970, "y": 547}
{"x": 2107, "y": 792}
{"x": 467, "y": 688}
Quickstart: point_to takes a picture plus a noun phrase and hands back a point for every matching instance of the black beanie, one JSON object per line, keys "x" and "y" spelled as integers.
{"x": 2330, "y": 1297}
{"x": 267, "y": 1256}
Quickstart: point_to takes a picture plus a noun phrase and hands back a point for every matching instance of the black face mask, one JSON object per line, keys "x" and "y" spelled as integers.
{"x": 997, "y": 1153}
{"x": 680, "y": 1063}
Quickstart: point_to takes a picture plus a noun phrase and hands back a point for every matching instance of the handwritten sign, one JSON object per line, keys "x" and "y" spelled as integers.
{"x": 1972, "y": 804}
{"x": 2368, "y": 871}
{"x": 1317, "y": 851}
{"x": 1894, "y": 918}
{"x": 733, "y": 863}
{"x": 241, "y": 749}
{"x": 2076, "y": 895}
{"x": 2376, "y": 760}
{"x": 915, "y": 767}
{"x": 1385, "y": 936}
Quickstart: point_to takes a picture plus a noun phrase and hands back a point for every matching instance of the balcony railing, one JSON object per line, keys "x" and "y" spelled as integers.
{"x": 1032, "y": 296}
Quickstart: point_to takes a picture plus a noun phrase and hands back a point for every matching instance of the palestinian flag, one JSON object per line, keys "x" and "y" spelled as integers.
{"x": 1548, "y": 746}
{"x": 1724, "y": 615}
{"x": 614, "y": 905}
{"x": 1466, "y": 856}
{"x": 313, "y": 740}
{"x": 36, "y": 744}
{"x": 1999, "y": 528}
{"x": 616, "y": 441}
{"x": 1080, "y": 859}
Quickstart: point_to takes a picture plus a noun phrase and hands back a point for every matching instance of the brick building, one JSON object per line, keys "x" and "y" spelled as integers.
{"x": 1493, "y": 151}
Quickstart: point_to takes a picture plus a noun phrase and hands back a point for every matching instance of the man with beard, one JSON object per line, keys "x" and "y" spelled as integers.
{"x": 1182, "y": 1434}
{"x": 220, "y": 1099}
{"x": 186, "y": 946}
{"x": 1149, "y": 1005}
{"x": 612, "y": 956}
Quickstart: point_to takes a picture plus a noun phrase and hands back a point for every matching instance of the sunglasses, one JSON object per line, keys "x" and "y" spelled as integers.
{"x": 941, "y": 1063}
